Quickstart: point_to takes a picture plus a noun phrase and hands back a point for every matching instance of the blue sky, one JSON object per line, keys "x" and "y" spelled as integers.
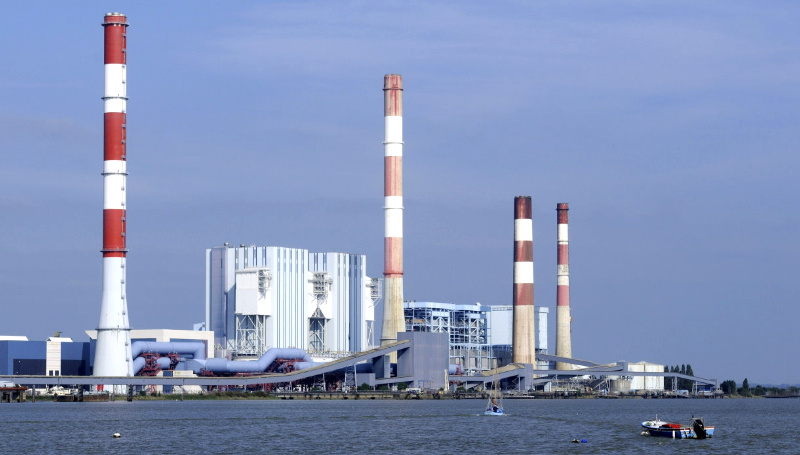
{"x": 669, "y": 127}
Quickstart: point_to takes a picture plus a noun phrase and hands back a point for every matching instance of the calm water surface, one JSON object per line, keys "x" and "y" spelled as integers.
{"x": 743, "y": 426}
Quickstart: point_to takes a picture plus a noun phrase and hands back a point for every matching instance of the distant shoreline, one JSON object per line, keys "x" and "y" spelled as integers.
{"x": 382, "y": 395}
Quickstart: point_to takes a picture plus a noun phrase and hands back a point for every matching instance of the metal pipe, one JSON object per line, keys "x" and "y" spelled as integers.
{"x": 195, "y": 349}
{"x": 250, "y": 366}
{"x": 523, "y": 337}
{"x": 563, "y": 318}
{"x": 112, "y": 354}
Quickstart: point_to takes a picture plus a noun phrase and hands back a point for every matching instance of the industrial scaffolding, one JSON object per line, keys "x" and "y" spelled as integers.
{"x": 251, "y": 338}
{"x": 321, "y": 283}
{"x": 467, "y": 330}
{"x": 375, "y": 286}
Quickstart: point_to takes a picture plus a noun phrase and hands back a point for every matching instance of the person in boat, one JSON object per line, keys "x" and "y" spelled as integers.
{"x": 495, "y": 406}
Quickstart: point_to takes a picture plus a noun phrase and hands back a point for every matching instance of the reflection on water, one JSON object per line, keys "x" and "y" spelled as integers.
{"x": 393, "y": 427}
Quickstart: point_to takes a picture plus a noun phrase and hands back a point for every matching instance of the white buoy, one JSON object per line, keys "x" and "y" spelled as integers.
{"x": 117, "y": 435}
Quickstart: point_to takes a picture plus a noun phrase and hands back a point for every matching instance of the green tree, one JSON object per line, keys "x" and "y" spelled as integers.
{"x": 728, "y": 387}
{"x": 745, "y": 390}
{"x": 667, "y": 380}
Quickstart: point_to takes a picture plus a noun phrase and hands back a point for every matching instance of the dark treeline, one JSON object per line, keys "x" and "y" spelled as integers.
{"x": 683, "y": 384}
{"x": 728, "y": 387}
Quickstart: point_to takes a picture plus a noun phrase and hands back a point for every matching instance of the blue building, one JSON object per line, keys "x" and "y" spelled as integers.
{"x": 54, "y": 357}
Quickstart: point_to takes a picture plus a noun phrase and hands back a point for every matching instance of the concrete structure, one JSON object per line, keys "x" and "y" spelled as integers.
{"x": 425, "y": 362}
{"x": 465, "y": 326}
{"x": 523, "y": 342}
{"x": 10, "y": 392}
{"x": 563, "y": 317}
{"x": 112, "y": 356}
{"x": 273, "y": 297}
{"x": 500, "y": 322}
{"x": 393, "y": 208}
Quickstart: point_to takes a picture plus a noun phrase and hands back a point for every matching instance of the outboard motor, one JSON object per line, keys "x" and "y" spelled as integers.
{"x": 699, "y": 428}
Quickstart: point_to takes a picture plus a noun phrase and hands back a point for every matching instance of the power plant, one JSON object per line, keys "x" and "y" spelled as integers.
{"x": 278, "y": 315}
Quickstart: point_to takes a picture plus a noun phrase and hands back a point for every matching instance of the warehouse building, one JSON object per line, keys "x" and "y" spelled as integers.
{"x": 55, "y": 357}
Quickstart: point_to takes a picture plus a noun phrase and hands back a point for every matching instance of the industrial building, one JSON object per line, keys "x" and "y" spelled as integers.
{"x": 62, "y": 356}
{"x": 480, "y": 335}
{"x": 259, "y": 298}
{"x": 54, "y": 357}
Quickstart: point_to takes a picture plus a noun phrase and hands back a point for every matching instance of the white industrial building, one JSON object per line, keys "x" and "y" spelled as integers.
{"x": 258, "y": 298}
{"x": 480, "y": 335}
{"x": 646, "y": 383}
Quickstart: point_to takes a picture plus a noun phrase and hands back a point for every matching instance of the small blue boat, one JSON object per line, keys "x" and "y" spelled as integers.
{"x": 697, "y": 429}
{"x": 493, "y": 411}
{"x": 495, "y": 405}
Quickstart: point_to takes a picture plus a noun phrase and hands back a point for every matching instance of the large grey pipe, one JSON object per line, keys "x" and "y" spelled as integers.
{"x": 250, "y": 366}
{"x": 195, "y": 349}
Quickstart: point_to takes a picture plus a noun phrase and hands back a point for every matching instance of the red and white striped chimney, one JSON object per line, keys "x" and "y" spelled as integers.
{"x": 113, "y": 353}
{"x": 523, "y": 338}
{"x": 393, "y": 319}
{"x": 564, "y": 320}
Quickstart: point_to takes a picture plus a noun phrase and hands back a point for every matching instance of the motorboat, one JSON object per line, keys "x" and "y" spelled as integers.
{"x": 696, "y": 430}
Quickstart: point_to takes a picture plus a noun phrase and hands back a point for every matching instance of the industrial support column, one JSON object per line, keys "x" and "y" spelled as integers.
{"x": 563, "y": 318}
{"x": 393, "y": 319}
{"x": 523, "y": 338}
{"x": 113, "y": 351}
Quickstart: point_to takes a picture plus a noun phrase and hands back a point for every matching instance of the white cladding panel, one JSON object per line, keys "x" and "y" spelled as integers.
{"x": 347, "y": 306}
{"x": 116, "y": 80}
{"x": 501, "y": 323}
{"x": 542, "y": 314}
{"x": 393, "y": 222}
{"x": 393, "y": 132}
{"x": 523, "y": 229}
{"x": 647, "y": 382}
{"x": 252, "y": 294}
{"x": 53, "y": 359}
{"x": 114, "y": 191}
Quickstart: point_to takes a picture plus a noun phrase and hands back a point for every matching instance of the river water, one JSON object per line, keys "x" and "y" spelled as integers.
{"x": 743, "y": 426}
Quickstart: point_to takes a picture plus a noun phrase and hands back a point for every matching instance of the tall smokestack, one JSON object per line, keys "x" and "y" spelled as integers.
{"x": 113, "y": 353}
{"x": 564, "y": 320}
{"x": 523, "y": 339}
{"x": 393, "y": 320}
